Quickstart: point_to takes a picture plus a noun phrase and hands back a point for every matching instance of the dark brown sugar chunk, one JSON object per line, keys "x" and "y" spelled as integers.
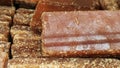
{"x": 26, "y": 3}
{"x": 23, "y": 16}
{"x": 118, "y": 1}
{"x": 60, "y": 5}
{"x": 80, "y": 33}
{"x": 109, "y": 4}
{"x": 91, "y": 4}
{"x": 6, "y": 10}
{"x": 63, "y": 63}
{"x": 6, "y": 2}
{"x": 26, "y": 50}
{"x": 3, "y": 59}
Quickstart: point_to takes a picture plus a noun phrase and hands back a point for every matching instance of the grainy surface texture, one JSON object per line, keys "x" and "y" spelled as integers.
{"x": 109, "y": 4}
{"x": 6, "y": 14}
{"x": 3, "y": 60}
{"x": 27, "y": 38}
{"x": 18, "y": 29}
{"x": 80, "y": 33}
{"x": 63, "y": 63}
{"x": 26, "y": 50}
{"x": 23, "y": 16}
{"x": 3, "y": 38}
{"x": 5, "y": 18}
{"x": 4, "y": 30}
{"x": 60, "y": 5}
{"x": 5, "y": 46}
{"x": 26, "y": 43}
{"x": 10, "y": 11}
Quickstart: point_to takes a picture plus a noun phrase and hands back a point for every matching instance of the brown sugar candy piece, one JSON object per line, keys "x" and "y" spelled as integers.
{"x": 5, "y": 23}
{"x": 27, "y": 38}
{"x": 80, "y": 33}
{"x": 3, "y": 38}
{"x": 23, "y": 16}
{"x": 26, "y": 50}
{"x": 63, "y": 63}
{"x": 26, "y": 43}
{"x": 18, "y": 29}
{"x": 3, "y": 60}
{"x": 6, "y": 2}
{"x": 26, "y": 3}
{"x": 60, "y": 5}
{"x": 109, "y": 4}
{"x": 5, "y": 46}
{"x": 6, "y": 10}
{"x": 5, "y": 20}
{"x": 4, "y": 30}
